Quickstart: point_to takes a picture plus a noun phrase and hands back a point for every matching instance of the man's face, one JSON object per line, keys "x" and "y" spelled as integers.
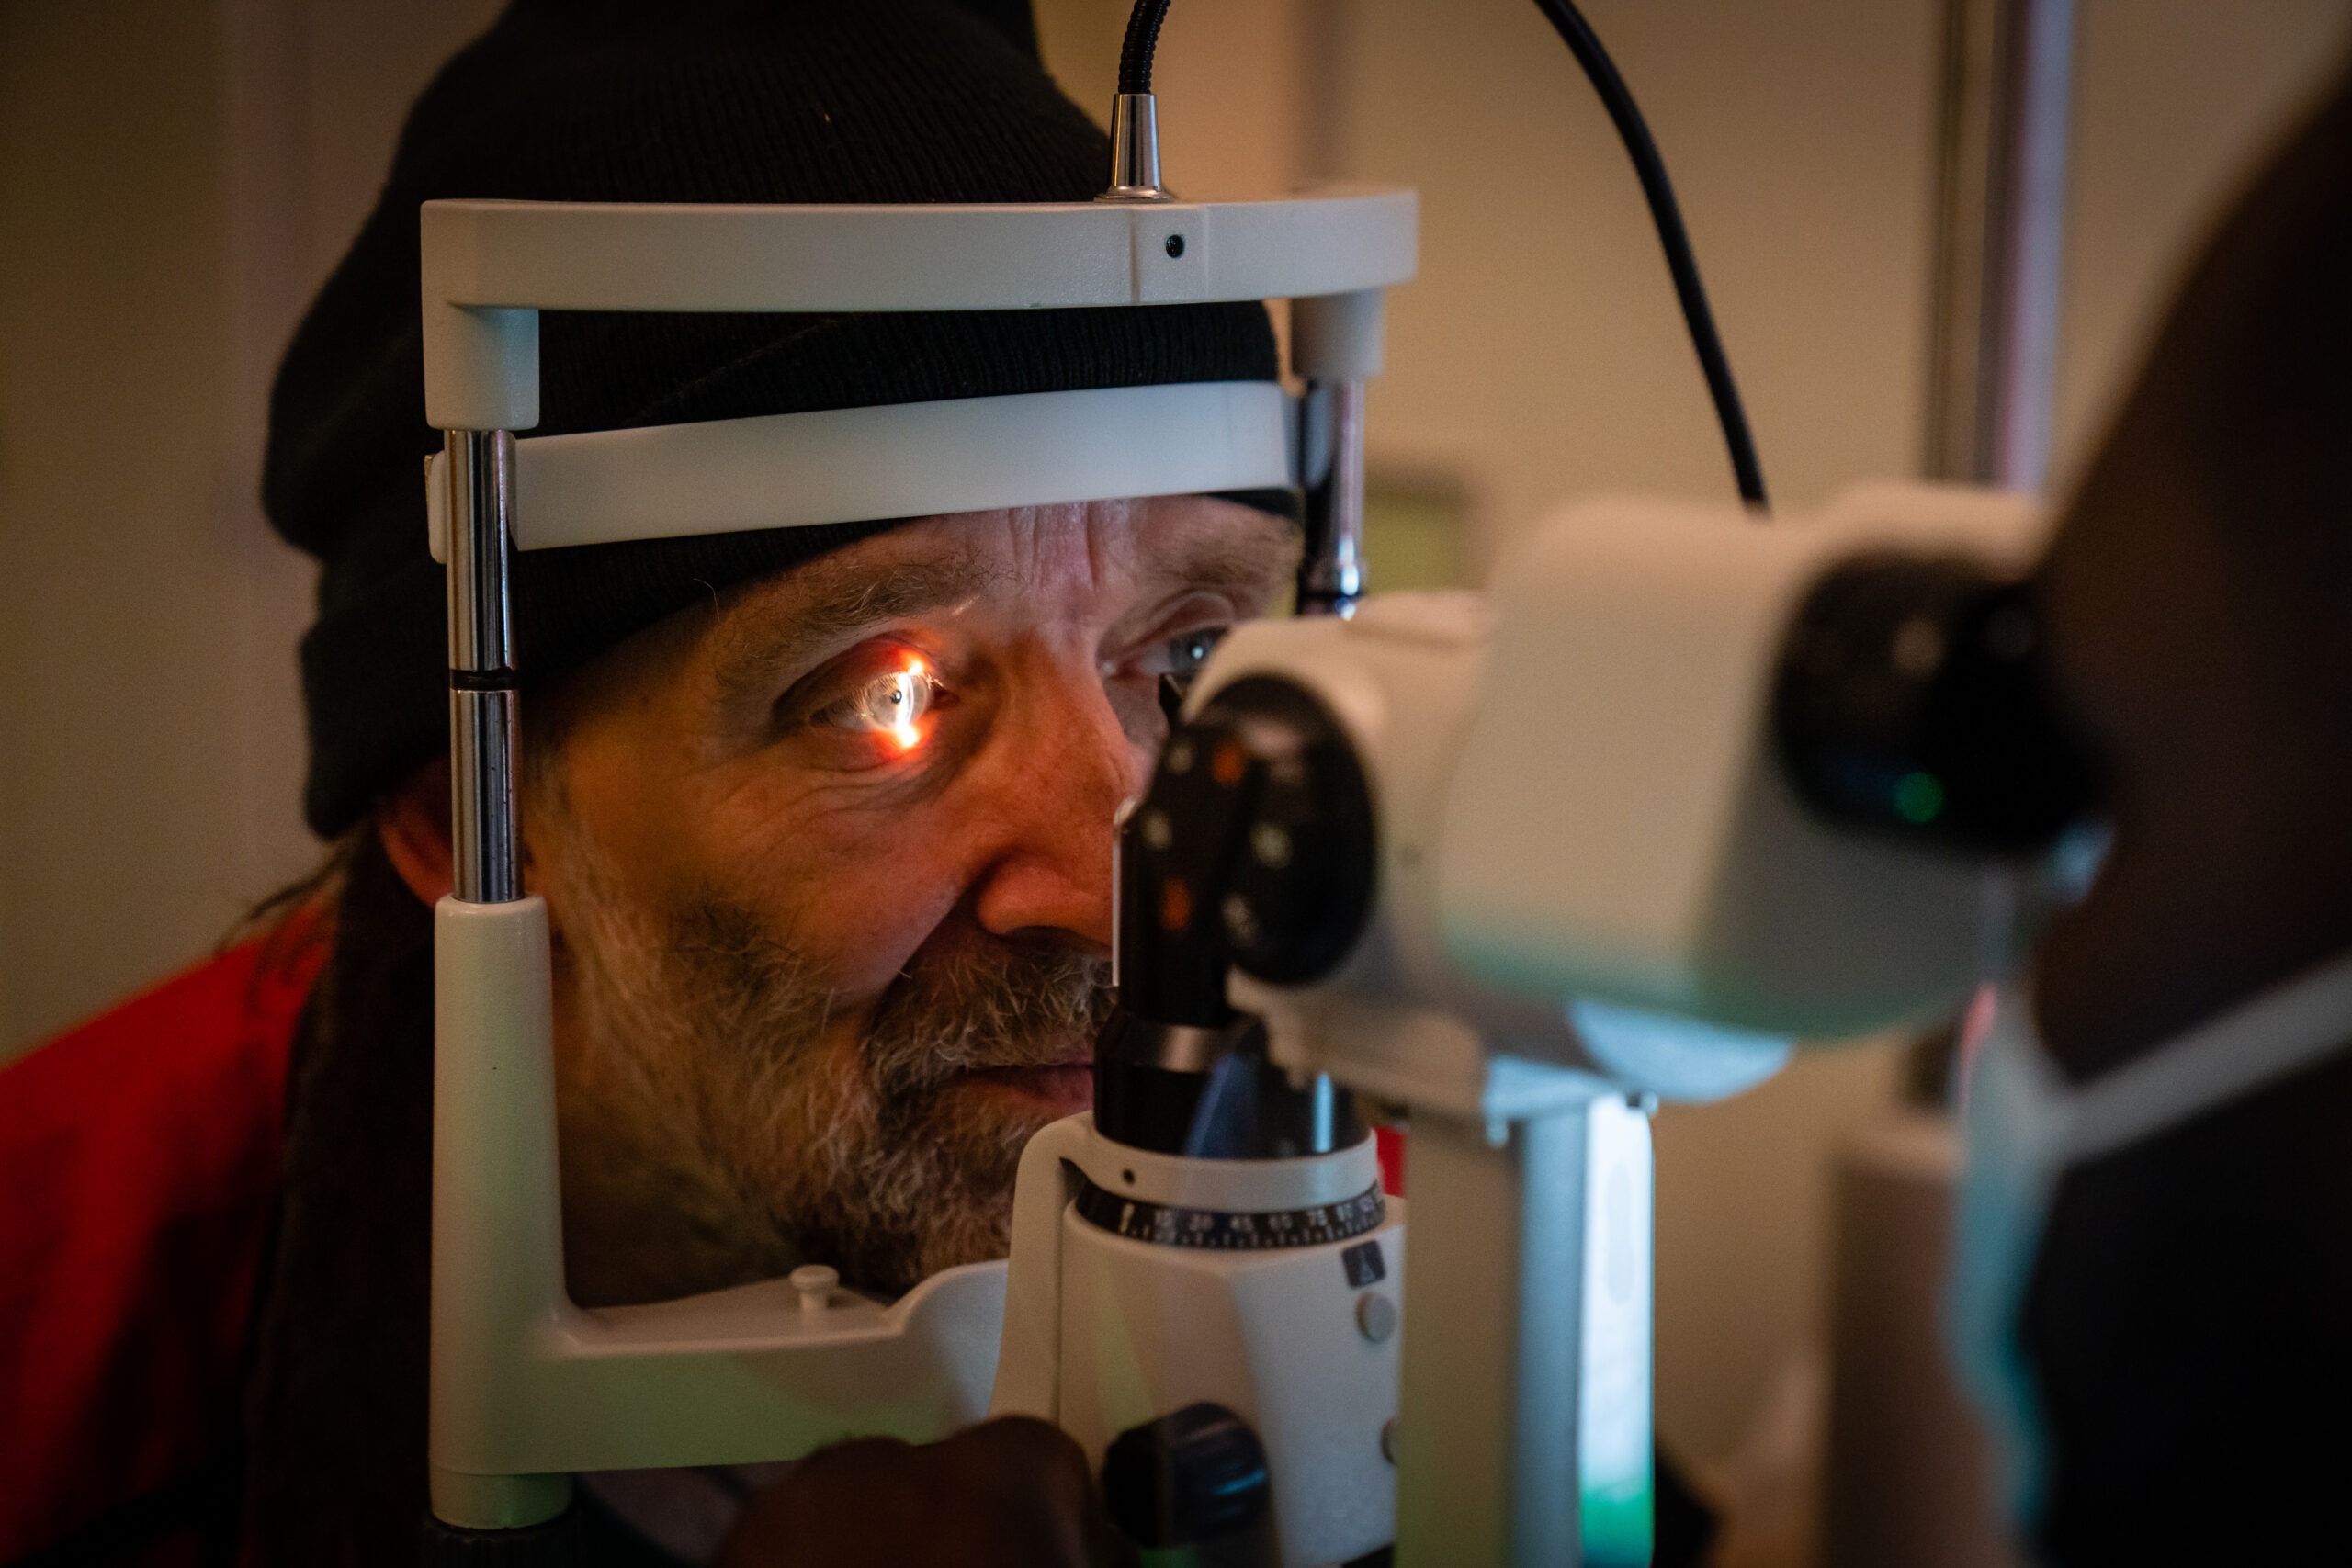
{"x": 829, "y": 864}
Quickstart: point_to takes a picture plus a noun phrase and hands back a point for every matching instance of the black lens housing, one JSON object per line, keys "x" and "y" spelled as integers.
{"x": 1212, "y": 1094}
{"x": 1911, "y": 697}
{"x": 1255, "y": 848}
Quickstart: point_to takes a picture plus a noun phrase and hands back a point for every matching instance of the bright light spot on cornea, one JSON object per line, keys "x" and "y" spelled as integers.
{"x": 910, "y": 695}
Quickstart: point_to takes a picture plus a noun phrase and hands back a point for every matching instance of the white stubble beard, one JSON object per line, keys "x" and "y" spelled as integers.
{"x": 726, "y": 1128}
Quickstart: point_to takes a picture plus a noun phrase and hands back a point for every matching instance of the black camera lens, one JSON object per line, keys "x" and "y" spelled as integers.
{"x": 1911, "y": 697}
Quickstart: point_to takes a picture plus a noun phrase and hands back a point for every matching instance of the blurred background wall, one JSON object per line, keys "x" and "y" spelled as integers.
{"x": 176, "y": 176}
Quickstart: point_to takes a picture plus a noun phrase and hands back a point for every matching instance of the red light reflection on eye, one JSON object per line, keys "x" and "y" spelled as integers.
{"x": 915, "y": 678}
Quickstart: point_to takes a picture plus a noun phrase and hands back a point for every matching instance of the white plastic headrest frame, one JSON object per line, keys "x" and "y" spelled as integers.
{"x": 490, "y": 266}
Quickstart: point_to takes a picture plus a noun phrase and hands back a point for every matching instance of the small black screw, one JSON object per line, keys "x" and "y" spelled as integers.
{"x": 1175, "y": 246}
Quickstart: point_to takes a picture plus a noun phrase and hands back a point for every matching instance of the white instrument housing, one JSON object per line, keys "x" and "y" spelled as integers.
{"x": 1578, "y": 798}
{"x": 1104, "y": 1332}
{"x": 1595, "y": 890}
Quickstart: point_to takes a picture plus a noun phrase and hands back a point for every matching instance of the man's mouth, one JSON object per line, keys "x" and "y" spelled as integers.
{"x": 1066, "y": 1087}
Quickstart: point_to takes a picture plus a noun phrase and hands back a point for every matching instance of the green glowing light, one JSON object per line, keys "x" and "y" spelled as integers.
{"x": 1919, "y": 798}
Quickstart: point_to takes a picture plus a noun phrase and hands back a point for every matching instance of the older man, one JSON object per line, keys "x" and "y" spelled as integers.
{"x": 821, "y": 814}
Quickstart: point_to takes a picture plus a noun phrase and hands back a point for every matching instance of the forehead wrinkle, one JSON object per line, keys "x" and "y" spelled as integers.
{"x": 1035, "y": 539}
{"x": 778, "y": 625}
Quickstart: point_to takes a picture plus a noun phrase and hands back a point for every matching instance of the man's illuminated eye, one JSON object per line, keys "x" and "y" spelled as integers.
{"x": 892, "y": 704}
{"x": 1186, "y": 654}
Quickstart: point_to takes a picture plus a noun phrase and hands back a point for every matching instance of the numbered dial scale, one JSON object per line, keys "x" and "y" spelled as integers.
{"x": 1216, "y": 1230}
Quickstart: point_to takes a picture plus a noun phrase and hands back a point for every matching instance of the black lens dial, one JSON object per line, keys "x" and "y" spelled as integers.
{"x": 1254, "y": 848}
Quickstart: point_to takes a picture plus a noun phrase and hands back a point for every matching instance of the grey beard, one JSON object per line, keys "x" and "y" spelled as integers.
{"x": 713, "y": 1132}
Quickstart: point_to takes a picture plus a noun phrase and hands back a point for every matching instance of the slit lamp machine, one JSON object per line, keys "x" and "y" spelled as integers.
{"x": 1683, "y": 788}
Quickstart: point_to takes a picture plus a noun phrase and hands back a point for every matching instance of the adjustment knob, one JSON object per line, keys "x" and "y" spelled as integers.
{"x": 1197, "y": 1475}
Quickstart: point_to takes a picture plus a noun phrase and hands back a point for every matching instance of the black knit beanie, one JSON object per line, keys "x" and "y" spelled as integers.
{"x": 689, "y": 101}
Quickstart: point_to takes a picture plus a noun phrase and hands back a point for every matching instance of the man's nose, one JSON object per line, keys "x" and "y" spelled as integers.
{"x": 1059, "y": 767}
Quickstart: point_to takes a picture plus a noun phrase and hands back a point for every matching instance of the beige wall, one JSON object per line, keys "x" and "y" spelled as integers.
{"x": 1542, "y": 341}
{"x": 176, "y": 179}
{"x": 122, "y": 822}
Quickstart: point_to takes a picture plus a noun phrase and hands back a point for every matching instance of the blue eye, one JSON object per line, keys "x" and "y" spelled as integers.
{"x": 892, "y": 704}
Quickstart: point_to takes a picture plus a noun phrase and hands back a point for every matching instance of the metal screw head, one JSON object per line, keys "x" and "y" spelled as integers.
{"x": 1175, "y": 246}
{"x": 1375, "y": 1316}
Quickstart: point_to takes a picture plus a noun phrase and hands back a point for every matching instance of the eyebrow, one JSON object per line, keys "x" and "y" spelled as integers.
{"x": 748, "y": 645}
{"x": 1247, "y": 561}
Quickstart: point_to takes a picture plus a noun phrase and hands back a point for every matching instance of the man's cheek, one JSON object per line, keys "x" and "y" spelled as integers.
{"x": 861, "y": 918}
{"x": 863, "y": 940}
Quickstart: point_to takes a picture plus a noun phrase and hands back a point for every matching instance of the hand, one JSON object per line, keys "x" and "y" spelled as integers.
{"x": 1008, "y": 1493}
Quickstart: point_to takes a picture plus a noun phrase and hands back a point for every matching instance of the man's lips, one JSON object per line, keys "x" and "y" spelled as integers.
{"x": 1068, "y": 1087}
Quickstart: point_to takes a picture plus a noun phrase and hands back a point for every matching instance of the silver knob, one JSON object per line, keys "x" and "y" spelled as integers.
{"x": 815, "y": 1281}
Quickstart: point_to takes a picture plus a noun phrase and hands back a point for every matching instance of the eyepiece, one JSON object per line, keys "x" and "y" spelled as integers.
{"x": 1912, "y": 698}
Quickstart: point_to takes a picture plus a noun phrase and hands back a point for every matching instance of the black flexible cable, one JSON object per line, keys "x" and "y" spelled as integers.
{"x": 1577, "y": 33}
{"x": 1143, "y": 37}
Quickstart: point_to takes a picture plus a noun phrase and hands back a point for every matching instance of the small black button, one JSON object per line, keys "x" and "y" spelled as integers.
{"x": 1364, "y": 1264}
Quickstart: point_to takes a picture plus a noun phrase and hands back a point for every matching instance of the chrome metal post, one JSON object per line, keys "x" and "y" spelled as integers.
{"x": 482, "y": 666}
{"x": 1330, "y": 433}
{"x": 1524, "y": 1408}
{"x": 1330, "y": 573}
{"x": 1135, "y": 150}
{"x": 2008, "y": 72}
